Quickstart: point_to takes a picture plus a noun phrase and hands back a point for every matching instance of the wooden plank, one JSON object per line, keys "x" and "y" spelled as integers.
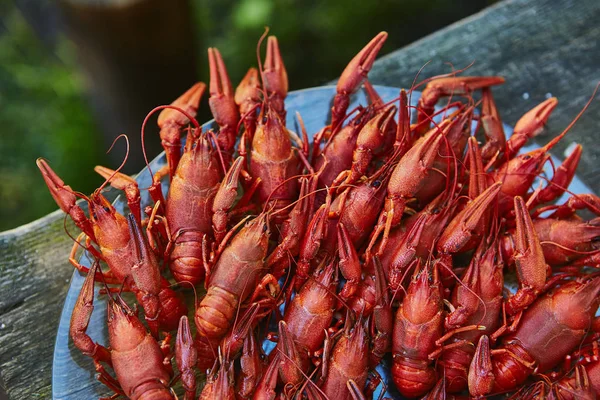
{"x": 541, "y": 47}
{"x": 34, "y": 277}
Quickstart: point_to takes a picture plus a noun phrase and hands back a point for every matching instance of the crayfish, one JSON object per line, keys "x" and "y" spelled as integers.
{"x": 388, "y": 241}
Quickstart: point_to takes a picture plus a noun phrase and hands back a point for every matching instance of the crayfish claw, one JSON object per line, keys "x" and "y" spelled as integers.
{"x": 248, "y": 91}
{"x": 492, "y": 126}
{"x": 533, "y": 121}
{"x": 171, "y": 120}
{"x": 65, "y": 198}
{"x": 187, "y": 356}
{"x": 530, "y": 125}
{"x": 275, "y": 79}
{"x": 349, "y": 262}
{"x": 450, "y": 86}
{"x": 353, "y": 75}
{"x": 62, "y": 194}
{"x": 288, "y": 367}
{"x": 219, "y": 84}
{"x": 188, "y": 102}
{"x": 481, "y": 377}
{"x": 357, "y": 69}
{"x": 532, "y": 270}
{"x": 80, "y": 319}
{"x": 222, "y": 103}
{"x": 225, "y": 199}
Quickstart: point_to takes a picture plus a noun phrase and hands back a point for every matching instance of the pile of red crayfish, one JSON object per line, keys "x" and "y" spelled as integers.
{"x": 384, "y": 242}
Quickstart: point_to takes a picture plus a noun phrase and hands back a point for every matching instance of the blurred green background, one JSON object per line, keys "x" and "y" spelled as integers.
{"x": 60, "y": 99}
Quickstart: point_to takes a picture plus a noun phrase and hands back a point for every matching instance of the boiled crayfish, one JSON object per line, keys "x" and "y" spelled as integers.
{"x": 380, "y": 240}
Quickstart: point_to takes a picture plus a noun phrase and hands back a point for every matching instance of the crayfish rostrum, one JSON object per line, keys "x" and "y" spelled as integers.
{"x": 385, "y": 241}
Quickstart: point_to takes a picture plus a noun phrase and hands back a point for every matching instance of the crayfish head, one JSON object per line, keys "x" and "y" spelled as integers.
{"x": 271, "y": 138}
{"x": 358, "y": 342}
{"x": 256, "y": 233}
{"x": 532, "y": 162}
{"x": 200, "y": 164}
{"x": 110, "y": 227}
{"x": 125, "y": 331}
{"x": 491, "y": 275}
{"x": 575, "y": 303}
{"x": 424, "y": 296}
{"x": 518, "y": 174}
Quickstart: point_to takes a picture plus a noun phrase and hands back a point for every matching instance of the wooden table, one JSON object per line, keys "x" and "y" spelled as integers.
{"x": 542, "y": 47}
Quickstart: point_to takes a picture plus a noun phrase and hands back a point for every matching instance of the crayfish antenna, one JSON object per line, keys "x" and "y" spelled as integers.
{"x": 558, "y": 138}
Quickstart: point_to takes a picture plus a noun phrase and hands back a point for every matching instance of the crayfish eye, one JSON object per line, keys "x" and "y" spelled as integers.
{"x": 376, "y": 184}
{"x": 106, "y": 209}
{"x": 264, "y": 228}
{"x": 526, "y": 157}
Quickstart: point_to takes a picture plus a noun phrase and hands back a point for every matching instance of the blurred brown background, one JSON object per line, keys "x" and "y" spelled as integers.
{"x": 76, "y": 74}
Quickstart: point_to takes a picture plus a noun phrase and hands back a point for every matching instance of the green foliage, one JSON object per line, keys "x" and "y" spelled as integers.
{"x": 318, "y": 38}
{"x": 42, "y": 114}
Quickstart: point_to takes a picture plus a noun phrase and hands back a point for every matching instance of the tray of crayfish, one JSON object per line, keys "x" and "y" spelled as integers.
{"x": 349, "y": 241}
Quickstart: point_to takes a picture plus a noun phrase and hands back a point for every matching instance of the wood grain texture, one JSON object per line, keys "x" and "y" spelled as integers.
{"x": 541, "y": 46}
{"x": 34, "y": 276}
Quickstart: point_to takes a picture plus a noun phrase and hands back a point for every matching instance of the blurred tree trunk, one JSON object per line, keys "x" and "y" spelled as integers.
{"x": 135, "y": 56}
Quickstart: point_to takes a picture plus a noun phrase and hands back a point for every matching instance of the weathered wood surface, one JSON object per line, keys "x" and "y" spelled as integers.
{"x": 541, "y": 46}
